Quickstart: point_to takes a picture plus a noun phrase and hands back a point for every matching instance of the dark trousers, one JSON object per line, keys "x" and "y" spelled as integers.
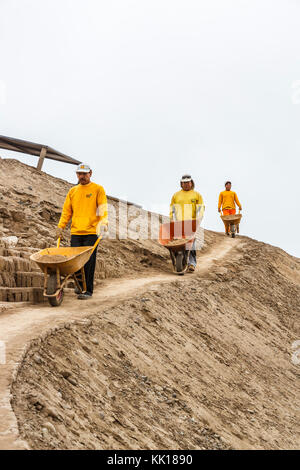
{"x": 193, "y": 255}
{"x": 89, "y": 267}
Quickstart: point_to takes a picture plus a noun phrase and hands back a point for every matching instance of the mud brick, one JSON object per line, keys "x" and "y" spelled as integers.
{"x": 38, "y": 296}
{"x": 21, "y": 294}
{"x": 9, "y": 265}
{"x": 18, "y": 297}
{"x": 16, "y": 263}
{"x": 2, "y": 263}
{"x": 37, "y": 280}
{"x": 26, "y": 277}
{"x": 26, "y": 280}
{"x": 31, "y": 296}
{"x": 19, "y": 279}
{"x": 29, "y": 279}
{"x": 24, "y": 296}
{"x": 33, "y": 267}
{"x": 25, "y": 264}
{"x": 10, "y": 295}
{"x": 12, "y": 280}
{"x": 3, "y": 294}
{"x": 26, "y": 256}
{"x": 8, "y": 279}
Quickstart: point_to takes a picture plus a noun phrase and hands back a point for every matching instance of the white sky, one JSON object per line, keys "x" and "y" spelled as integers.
{"x": 146, "y": 90}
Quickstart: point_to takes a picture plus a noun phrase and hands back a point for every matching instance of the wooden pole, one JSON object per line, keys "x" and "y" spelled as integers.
{"x": 42, "y": 158}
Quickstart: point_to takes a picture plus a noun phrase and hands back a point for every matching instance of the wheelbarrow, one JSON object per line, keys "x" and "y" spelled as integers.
{"x": 61, "y": 264}
{"x": 178, "y": 237}
{"x": 232, "y": 222}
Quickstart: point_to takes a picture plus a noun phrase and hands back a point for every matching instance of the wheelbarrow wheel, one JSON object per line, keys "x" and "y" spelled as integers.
{"x": 51, "y": 289}
{"x": 179, "y": 262}
{"x": 56, "y": 301}
{"x": 173, "y": 258}
{"x": 232, "y": 230}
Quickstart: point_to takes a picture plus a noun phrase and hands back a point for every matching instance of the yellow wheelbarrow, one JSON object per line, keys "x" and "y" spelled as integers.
{"x": 232, "y": 223}
{"x": 61, "y": 264}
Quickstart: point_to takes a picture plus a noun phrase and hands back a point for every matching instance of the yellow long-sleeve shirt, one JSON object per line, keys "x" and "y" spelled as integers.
{"x": 86, "y": 205}
{"x": 228, "y": 199}
{"x": 186, "y": 205}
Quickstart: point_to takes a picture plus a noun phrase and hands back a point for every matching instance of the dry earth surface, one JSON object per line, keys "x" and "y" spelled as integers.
{"x": 154, "y": 361}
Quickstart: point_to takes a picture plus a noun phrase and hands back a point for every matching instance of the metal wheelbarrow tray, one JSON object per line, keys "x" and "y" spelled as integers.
{"x": 232, "y": 222}
{"x": 57, "y": 271}
{"x": 178, "y": 238}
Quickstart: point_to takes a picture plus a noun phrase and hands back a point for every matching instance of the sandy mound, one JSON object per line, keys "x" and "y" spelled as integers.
{"x": 203, "y": 362}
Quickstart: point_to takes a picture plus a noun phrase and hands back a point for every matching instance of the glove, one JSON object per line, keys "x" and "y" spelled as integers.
{"x": 59, "y": 233}
{"x": 102, "y": 230}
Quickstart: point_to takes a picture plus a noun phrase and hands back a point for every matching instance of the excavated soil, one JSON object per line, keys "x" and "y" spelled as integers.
{"x": 202, "y": 361}
{"x": 152, "y": 360}
{"x": 52, "y": 258}
{"x": 177, "y": 242}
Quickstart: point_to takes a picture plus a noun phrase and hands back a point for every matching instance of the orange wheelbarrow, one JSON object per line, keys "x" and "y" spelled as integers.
{"x": 61, "y": 264}
{"x": 178, "y": 237}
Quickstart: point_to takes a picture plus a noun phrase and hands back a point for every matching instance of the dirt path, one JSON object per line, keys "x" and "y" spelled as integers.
{"x": 20, "y": 326}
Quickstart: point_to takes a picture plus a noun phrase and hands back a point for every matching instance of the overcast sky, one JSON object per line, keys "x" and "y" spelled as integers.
{"x": 146, "y": 90}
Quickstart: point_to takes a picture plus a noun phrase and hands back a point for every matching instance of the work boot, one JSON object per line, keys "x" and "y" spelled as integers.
{"x": 84, "y": 296}
{"x": 191, "y": 268}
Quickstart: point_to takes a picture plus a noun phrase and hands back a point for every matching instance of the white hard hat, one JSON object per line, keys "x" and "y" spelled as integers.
{"x": 83, "y": 168}
{"x": 186, "y": 179}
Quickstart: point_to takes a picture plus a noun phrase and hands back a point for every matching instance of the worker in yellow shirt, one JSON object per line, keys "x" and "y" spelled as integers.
{"x": 187, "y": 204}
{"x": 86, "y": 205}
{"x": 227, "y": 203}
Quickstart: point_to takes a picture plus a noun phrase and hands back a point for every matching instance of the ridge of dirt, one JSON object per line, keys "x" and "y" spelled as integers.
{"x": 19, "y": 327}
{"x": 153, "y": 360}
{"x": 200, "y": 362}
